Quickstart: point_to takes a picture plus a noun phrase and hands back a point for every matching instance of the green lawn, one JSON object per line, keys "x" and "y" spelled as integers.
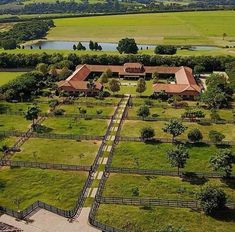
{"x": 60, "y": 151}
{"x": 5, "y": 77}
{"x": 132, "y": 128}
{"x": 134, "y": 219}
{"x": 91, "y": 110}
{"x": 57, "y": 188}
{"x": 153, "y": 156}
{"x": 164, "y": 112}
{"x": 13, "y": 122}
{"x": 163, "y": 187}
{"x": 76, "y": 126}
{"x": 168, "y": 28}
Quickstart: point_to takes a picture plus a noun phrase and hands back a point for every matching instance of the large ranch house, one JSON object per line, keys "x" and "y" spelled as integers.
{"x": 184, "y": 83}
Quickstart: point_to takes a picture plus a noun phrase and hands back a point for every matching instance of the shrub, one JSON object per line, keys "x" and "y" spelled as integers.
{"x": 195, "y": 135}
{"x": 215, "y": 136}
{"x": 143, "y": 111}
{"x": 165, "y": 49}
{"x": 59, "y": 112}
{"x": 147, "y": 133}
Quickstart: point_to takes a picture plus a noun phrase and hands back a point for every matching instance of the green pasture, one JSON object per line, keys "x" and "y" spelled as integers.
{"x": 167, "y": 28}
{"x": 60, "y": 151}
{"x": 135, "y": 218}
{"x": 58, "y": 188}
{"x": 164, "y": 112}
{"x": 5, "y": 77}
{"x": 76, "y": 126}
{"x": 13, "y": 122}
{"x": 132, "y": 128}
{"x": 153, "y": 156}
{"x": 163, "y": 187}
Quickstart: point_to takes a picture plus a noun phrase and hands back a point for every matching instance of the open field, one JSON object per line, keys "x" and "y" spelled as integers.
{"x": 132, "y": 129}
{"x": 62, "y": 152}
{"x": 57, "y": 188}
{"x": 5, "y": 77}
{"x": 163, "y": 187}
{"x": 167, "y": 28}
{"x": 13, "y": 122}
{"x": 76, "y": 126}
{"x": 153, "y": 156}
{"x": 131, "y": 218}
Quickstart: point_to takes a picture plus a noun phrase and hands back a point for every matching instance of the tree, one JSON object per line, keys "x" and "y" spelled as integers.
{"x": 147, "y": 133}
{"x": 174, "y": 127}
{"x": 198, "y": 69}
{"x": 32, "y": 114}
{"x": 141, "y": 86}
{"x": 165, "y": 49}
{"x": 114, "y": 85}
{"x": 91, "y": 86}
{"x": 80, "y": 47}
{"x": 223, "y": 161}
{"x": 64, "y": 73}
{"x": 155, "y": 77}
{"x": 109, "y": 72}
{"x": 170, "y": 228}
{"x": 43, "y": 68}
{"x": 216, "y": 136}
{"x": 195, "y": 135}
{"x": 8, "y": 44}
{"x": 127, "y": 46}
{"x": 74, "y": 47}
{"x": 178, "y": 156}
{"x": 91, "y": 45}
{"x": 104, "y": 78}
{"x": 143, "y": 111}
{"x": 211, "y": 198}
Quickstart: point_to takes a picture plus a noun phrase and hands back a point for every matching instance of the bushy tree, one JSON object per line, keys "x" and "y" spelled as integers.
{"x": 143, "y": 111}
{"x": 165, "y": 49}
{"x": 195, "y": 135}
{"x": 147, "y": 133}
{"x": 91, "y": 45}
{"x": 216, "y": 136}
{"x": 32, "y": 114}
{"x": 8, "y": 44}
{"x": 141, "y": 86}
{"x": 178, "y": 156}
{"x": 174, "y": 127}
{"x": 43, "y": 68}
{"x": 114, "y": 85}
{"x": 211, "y": 199}
{"x": 223, "y": 161}
{"x": 127, "y": 46}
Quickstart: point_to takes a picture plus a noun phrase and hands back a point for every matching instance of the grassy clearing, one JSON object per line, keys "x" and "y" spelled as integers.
{"x": 164, "y": 112}
{"x": 134, "y": 218}
{"x": 168, "y": 28}
{"x": 13, "y": 122}
{"x": 153, "y": 156}
{"x": 58, "y": 188}
{"x": 5, "y": 77}
{"x": 62, "y": 152}
{"x": 132, "y": 128}
{"x": 164, "y": 187}
{"x": 76, "y": 126}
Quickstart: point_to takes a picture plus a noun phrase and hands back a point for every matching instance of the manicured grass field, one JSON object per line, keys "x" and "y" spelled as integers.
{"x": 57, "y": 188}
{"x": 132, "y": 128}
{"x": 169, "y": 28}
{"x": 164, "y": 112}
{"x": 13, "y": 122}
{"x": 163, "y": 187}
{"x": 134, "y": 218}
{"x": 76, "y": 126}
{"x": 60, "y": 151}
{"x": 5, "y": 77}
{"x": 153, "y": 156}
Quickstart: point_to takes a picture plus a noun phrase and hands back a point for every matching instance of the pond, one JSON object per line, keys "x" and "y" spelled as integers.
{"x": 68, "y": 45}
{"x": 203, "y": 48}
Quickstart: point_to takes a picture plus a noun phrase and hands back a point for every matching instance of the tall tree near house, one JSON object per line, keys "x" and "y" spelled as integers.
{"x": 155, "y": 77}
{"x": 141, "y": 86}
{"x": 32, "y": 114}
{"x": 178, "y": 157}
{"x": 223, "y": 161}
{"x": 91, "y": 86}
{"x": 175, "y": 128}
{"x": 114, "y": 85}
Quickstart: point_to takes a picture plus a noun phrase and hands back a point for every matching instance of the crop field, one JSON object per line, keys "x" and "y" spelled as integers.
{"x": 164, "y": 28}
{"x": 130, "y": 155}
{"x": 5, "y": 77}
{"x": 131, "y": 218}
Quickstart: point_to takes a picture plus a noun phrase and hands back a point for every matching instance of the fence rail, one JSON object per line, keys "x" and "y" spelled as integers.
{"x": 28, "y": 164}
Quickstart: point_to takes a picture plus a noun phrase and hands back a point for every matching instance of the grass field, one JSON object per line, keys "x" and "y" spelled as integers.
{"x": 134, "y": 218}
{"x": 153, "y": 156}
{"x": 132, "y": 129}
{"x": 167, "y": 28}
{"x": 76, "y": 126}
{"x": 13, "y": 122}
{"x": 57, "y": 188}
{"x": 5, "y": 77}
{"x": 61, "y": 151}
{"x": 163, "y": 187}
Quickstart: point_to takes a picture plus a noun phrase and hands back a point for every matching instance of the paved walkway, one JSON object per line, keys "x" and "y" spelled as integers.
{"x": 44, "y": 221}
